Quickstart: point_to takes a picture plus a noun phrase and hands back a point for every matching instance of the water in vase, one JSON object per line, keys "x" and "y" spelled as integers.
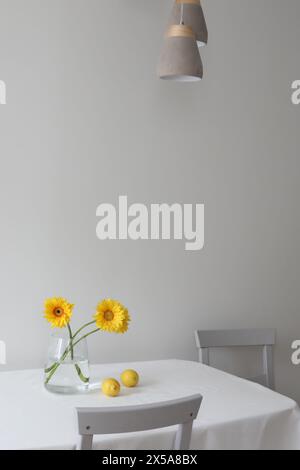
{"x": 71, "y": 376}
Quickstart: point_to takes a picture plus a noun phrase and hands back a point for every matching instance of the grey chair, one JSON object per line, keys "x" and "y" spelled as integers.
{"x": 126, "y": 419}
{"x": 264, "y": 338}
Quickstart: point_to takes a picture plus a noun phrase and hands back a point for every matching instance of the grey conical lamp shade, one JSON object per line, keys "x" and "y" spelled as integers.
{"x": 193, "y": 17}
{"x": 180, "y": 59}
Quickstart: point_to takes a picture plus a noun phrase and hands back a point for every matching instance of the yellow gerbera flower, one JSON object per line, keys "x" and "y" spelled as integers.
{"x": 58, "y": 311}
{"x": 112, "y": 316}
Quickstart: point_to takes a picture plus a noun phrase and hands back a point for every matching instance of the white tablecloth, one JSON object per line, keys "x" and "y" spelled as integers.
{"x": 235, "y": 413}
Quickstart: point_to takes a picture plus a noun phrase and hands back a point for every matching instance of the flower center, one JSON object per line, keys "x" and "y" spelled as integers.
{"x": 58, "y": 312}
{"x": 108, "y": 315}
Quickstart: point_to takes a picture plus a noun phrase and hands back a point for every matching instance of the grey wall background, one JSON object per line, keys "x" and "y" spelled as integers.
{"x": 87, "y": 120}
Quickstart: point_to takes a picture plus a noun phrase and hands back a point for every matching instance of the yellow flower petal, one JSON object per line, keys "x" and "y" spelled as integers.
{"x": 58, "y": 312}
{"x": 112, "y": 316}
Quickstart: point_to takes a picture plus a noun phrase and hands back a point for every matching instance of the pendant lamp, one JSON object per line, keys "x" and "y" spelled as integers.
{"x": 193, "y": 17}
{"x": 180, "y": 58}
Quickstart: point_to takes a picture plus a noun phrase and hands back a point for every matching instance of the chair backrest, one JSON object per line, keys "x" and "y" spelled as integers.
{"x": 227, "y": 338}
{"x": 126, "y": 419}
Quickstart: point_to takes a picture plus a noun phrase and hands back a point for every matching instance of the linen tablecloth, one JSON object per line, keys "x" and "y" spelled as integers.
{"x": 235, "y": 413}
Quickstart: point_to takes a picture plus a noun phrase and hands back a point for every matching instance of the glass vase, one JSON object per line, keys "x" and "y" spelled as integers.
{"x": 67, "y": 365}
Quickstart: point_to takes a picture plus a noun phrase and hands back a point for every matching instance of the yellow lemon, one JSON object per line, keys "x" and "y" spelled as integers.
{"x": 130, "y": 378}
{"x": 111, "y": 387}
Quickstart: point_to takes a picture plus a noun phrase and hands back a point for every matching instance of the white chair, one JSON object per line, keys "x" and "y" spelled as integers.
{"x": 227, "y": 338}
{"x": 126, "y": 419}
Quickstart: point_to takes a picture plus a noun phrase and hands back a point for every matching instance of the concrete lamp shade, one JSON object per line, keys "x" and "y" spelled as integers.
{"x": 180, "y": 58}
{"x": 193, "y": 17}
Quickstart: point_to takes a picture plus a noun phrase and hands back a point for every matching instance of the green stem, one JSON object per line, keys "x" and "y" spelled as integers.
{"x": 71, "y": 342}
{"x": 71, "y": 338}
{"x": 50, "y": 368}
{"x": 85, "y": 336}
{"x": 84, "y": 326}
{"x": 80, "y": 374}
{"x": 78, "y": 369}
{"x": 55, "y": 366}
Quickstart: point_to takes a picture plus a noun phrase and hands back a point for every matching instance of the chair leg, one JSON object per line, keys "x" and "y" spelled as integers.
{"x": 85, "y": 443}
{"x": 268, "y": 366}
{"x": 183, "y": 436}
{"x": 204, "y": 356}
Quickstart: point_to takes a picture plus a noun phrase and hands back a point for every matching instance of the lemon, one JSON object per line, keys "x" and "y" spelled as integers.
{"x": 130, "y": 378}
{"x": 111, "y": 387}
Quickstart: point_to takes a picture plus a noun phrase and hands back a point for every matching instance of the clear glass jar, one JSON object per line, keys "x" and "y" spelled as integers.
{"x": 67, "y": 365}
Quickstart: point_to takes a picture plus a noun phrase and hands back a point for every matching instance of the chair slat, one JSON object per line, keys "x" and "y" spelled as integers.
{"x": 113, "y": 420}
{"x": 225, "y": 338}
{"x": 265, "y": 338}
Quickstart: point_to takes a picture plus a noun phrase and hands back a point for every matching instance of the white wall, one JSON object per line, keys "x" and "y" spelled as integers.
{"x": 87, "y": 120}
